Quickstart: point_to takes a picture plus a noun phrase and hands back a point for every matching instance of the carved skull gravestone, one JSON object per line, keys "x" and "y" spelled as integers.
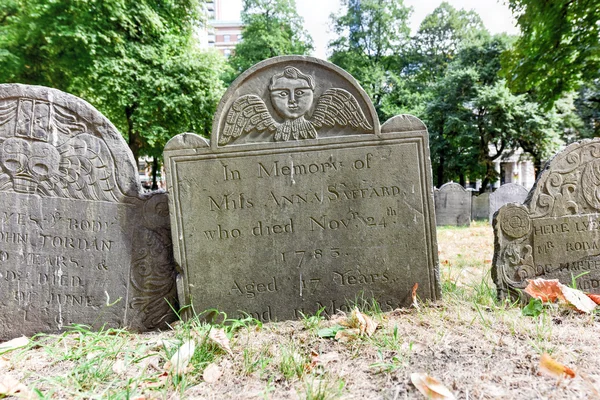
{"x": 300, "y": 200}
{"x": 555, "y": 234}
{"x": 79, "y": 243}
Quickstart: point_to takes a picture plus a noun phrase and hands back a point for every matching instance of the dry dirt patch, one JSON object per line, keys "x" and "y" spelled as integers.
{"x": 477, "y": 347}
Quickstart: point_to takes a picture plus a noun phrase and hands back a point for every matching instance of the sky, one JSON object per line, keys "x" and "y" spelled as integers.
{"x": 495, "y": 15}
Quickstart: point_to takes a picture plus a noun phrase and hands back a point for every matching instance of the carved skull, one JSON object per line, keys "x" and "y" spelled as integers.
{"x": 28, "y": 163}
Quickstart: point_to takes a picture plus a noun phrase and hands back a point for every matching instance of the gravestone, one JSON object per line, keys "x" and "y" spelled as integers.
{"x": 507, "y": 193}
{"x": 555, "y": 234}
{"x": 480, "y": 207}
{"x": 452, "y": 205}
{"x": 300, "y": 200}
{"x": 79, "y": 243}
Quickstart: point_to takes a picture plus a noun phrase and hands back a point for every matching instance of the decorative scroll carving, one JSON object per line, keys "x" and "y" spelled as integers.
{"x": 291, "y": 94}
{"x": 556, "y": 232}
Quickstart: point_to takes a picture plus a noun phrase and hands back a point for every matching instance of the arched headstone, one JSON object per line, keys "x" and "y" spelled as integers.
{"x": 555, "y": 234}
{"x": 79, "y": 243}
{"x": 507, "y": 193}
{"x": 452, "y": 205}
{"x": 300, "y": 200}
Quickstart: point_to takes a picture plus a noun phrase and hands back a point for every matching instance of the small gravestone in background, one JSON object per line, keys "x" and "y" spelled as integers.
{"x": 507, "y": 193}
{"x": 79, "y": 243}
{"x": 300, "y": 201}
{"x": 555, "y": 234}
{"x": 452, "y": 205}
{"x": 480, "y": 207}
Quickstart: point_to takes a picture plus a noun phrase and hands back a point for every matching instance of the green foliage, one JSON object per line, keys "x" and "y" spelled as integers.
{"x": 135, "y": 61}
{"x": 534, "y": 308}
{"x": 371, "y": 38}
{"x": 558, "y": 48}
{"x": 587, "y": 107}
{"x": 474, "y": 119}
{"x": 440, "y": 36}
{"x": 271, "y": 28}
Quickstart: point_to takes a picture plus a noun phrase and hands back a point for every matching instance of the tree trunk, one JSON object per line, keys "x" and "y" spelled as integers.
{"x": 154, "y": 173}
{"x": 440, "y": 172}
{"x": 135, "y": 140}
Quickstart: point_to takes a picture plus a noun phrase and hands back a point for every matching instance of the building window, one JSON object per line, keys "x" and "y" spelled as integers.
{"x": 239, "y": 38}
{"x": 227, "y": 38}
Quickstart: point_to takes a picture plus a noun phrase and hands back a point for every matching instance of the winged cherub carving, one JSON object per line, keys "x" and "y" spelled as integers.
{"x": 292, "y": 97}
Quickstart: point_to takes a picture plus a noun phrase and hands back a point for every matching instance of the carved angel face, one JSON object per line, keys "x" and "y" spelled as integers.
{"x": 291, "y": 98}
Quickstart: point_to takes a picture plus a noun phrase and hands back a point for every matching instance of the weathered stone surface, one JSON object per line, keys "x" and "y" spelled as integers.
{"x": 290, "y": 208}
{"x": 79, "y": 243}
{"x": 480, "y": 207}
{"x": 507, "y": 193}
{"x": 452, "y": 205}
{"x": 555, "y": 234}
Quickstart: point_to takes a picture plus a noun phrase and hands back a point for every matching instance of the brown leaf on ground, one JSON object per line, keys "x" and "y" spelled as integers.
{"x": 595, "y": 297}
{"x": 553, "y": 368}
{"x": 430, "y": 387}
{"x": 9, "y": 386}
{"x": 578, "y": 299}
{"x": 364, "y": 323}
{"x": 346, "y": 335}
{"x": 182, "y": 357}
{"x": 545, "y": 289}
{"x": 220, "y": 338}
{"x": 415, "y": 302}
{"x": 212, "y": 373}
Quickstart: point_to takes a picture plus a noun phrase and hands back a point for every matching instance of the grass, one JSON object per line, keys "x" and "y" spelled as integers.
{"x": 476, "y": 345}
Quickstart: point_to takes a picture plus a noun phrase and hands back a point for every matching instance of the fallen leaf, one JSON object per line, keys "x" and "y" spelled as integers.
{"x": 160, "y": 381}
{"x": 346, "y": 335}
{"x": 578, "y": 299}
{"x": 595, "y": 297}
{"x": 545, "y": 289}
{"x": 14, "y": 344}
{"x": 363, "y": 322}
{"x": 220, "y": 338}
{"x": 9, "y": 386}
{"x": 430, "y": 387}
{"x": 212, "y": 373}
{"x": 551, "y": 367}
{"x": 415, "y": 303}
{"x": 182, "y": 357}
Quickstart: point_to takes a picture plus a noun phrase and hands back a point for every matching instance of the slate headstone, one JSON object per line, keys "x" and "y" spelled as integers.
{"x": 452, "y": 205}
{"x": 555, "y": 234}
{"x": 300, "y": 200}
{"x": 79, "y": 243}
{"x": 507, "y": 193}
{"x": 480, "y": 207}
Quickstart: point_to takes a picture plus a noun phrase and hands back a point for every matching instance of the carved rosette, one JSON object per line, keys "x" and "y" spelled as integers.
{"x": 568, "y": 186}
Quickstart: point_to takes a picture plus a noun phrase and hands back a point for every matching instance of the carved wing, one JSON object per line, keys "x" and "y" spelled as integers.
{"x": 339, "y": 107}
{"x": 248, "y": 113}
{"x": 86, "y": 171}
{"x": 8, "y": 110}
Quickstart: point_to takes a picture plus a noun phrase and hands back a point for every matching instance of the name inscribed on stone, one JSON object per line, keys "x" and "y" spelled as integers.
{"x": 289, "y": 226}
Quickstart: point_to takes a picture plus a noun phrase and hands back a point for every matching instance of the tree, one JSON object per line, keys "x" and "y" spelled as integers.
{"x": 474, "y": 119}
{"x": 136, "y": 61}
{"x": 558, "y": 47}
{"x": 372, "y": 36}
{"x": 440, "y": 36}
{"x": 271, "y": 28}
{"x": 587, "y": 106}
